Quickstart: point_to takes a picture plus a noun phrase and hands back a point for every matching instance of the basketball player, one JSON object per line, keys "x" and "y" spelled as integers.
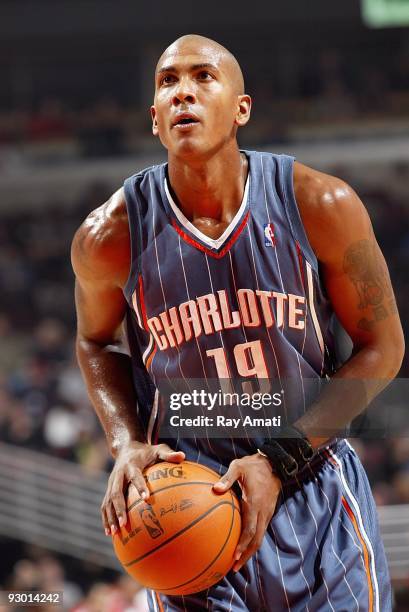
{"x": 231, "y": 263}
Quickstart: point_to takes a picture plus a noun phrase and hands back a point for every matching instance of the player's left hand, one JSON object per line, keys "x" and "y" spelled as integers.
{"x": 260, "y": 489}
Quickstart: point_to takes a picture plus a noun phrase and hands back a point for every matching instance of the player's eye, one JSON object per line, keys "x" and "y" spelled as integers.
{"x": 204, "y": 75}
{"x": 167, "y": 79}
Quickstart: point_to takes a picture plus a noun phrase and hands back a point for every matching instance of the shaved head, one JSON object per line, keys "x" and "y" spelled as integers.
{"x": 199, "y": 101}
{"x": 193, "y": 44}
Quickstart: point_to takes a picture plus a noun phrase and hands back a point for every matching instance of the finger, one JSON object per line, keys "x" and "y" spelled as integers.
{"x": 111, "y": 517}
{"x": 167, "y": 454}
{"x": 253, "y": 545}
{"x": 229, "y": 478}
{"x": 105, "y": 522}
{"x": 138, "y": 480}
{"x": 249, "y": 517}
{"x": 117, "y": 498}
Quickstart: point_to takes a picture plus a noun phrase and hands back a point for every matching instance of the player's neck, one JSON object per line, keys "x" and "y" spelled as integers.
{"x": 212, "y": 189}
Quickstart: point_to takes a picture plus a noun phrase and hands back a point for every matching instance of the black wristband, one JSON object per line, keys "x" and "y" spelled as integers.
{"x": 282, "y": 463}
{"x": 289, "y": 453}
{"x": 295, "y": 443}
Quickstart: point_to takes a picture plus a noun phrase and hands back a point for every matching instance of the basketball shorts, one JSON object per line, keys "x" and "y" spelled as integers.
{"x": 322, "y": 550}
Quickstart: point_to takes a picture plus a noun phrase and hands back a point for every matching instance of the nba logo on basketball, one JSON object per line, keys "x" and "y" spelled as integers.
{"x": 269, "y": 237}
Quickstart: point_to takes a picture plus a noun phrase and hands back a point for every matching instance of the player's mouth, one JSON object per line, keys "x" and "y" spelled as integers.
{"x": 185, "y": 121}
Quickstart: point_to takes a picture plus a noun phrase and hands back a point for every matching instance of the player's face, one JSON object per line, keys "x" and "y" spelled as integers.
{"x": 196, "y": 108}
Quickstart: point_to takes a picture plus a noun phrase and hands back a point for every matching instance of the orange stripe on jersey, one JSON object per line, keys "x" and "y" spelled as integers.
{"x": 159, "y": 602}
{"x": 364, "y": 549}
{"x": 151, "y": 356}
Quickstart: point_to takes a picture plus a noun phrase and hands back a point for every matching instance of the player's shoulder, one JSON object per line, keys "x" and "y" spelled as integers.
{"x": 329, "y": 208}
{"x": 101, "y": 245}
{"x": 319, "y": 191}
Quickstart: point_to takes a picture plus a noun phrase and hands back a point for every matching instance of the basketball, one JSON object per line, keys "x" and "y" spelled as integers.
{"x": 182, "y": 539}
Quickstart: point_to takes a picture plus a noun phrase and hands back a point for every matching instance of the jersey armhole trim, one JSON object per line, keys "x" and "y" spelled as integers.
{"x": 293, "y": 214}
{"x": 135, "y": 237}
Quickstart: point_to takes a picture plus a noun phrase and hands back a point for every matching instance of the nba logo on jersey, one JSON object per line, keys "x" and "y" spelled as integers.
{"x": 269, "y": 238}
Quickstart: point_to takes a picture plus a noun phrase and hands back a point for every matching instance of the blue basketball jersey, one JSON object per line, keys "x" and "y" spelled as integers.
{"x": 248, "y": 304}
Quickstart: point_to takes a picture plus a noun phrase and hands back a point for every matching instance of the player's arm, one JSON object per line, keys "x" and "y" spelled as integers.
{"x": 100, "y": 257}
{"x": 101, "y": 262}
{"x": 357, "y": 282}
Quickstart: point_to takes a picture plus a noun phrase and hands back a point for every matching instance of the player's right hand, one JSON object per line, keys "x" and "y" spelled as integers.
{"x": 130, "y": 462}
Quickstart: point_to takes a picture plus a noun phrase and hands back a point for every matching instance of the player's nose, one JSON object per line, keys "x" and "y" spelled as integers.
{"x": 184, "y": 92}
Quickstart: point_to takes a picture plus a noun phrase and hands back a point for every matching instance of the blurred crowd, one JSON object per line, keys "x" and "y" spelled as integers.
{"x": 320, "y": 90}
{"x": 43, "y": 402}
{"x": 82, "y": 589}
{"x": 103, "y": 128}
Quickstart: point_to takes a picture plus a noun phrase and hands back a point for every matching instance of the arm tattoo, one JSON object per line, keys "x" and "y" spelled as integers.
{"x": 367, "y": 271}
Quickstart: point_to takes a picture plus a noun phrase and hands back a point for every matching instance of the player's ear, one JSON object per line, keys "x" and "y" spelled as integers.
{"x": 155, "y": 130}
{"x": 243, "y": 110}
